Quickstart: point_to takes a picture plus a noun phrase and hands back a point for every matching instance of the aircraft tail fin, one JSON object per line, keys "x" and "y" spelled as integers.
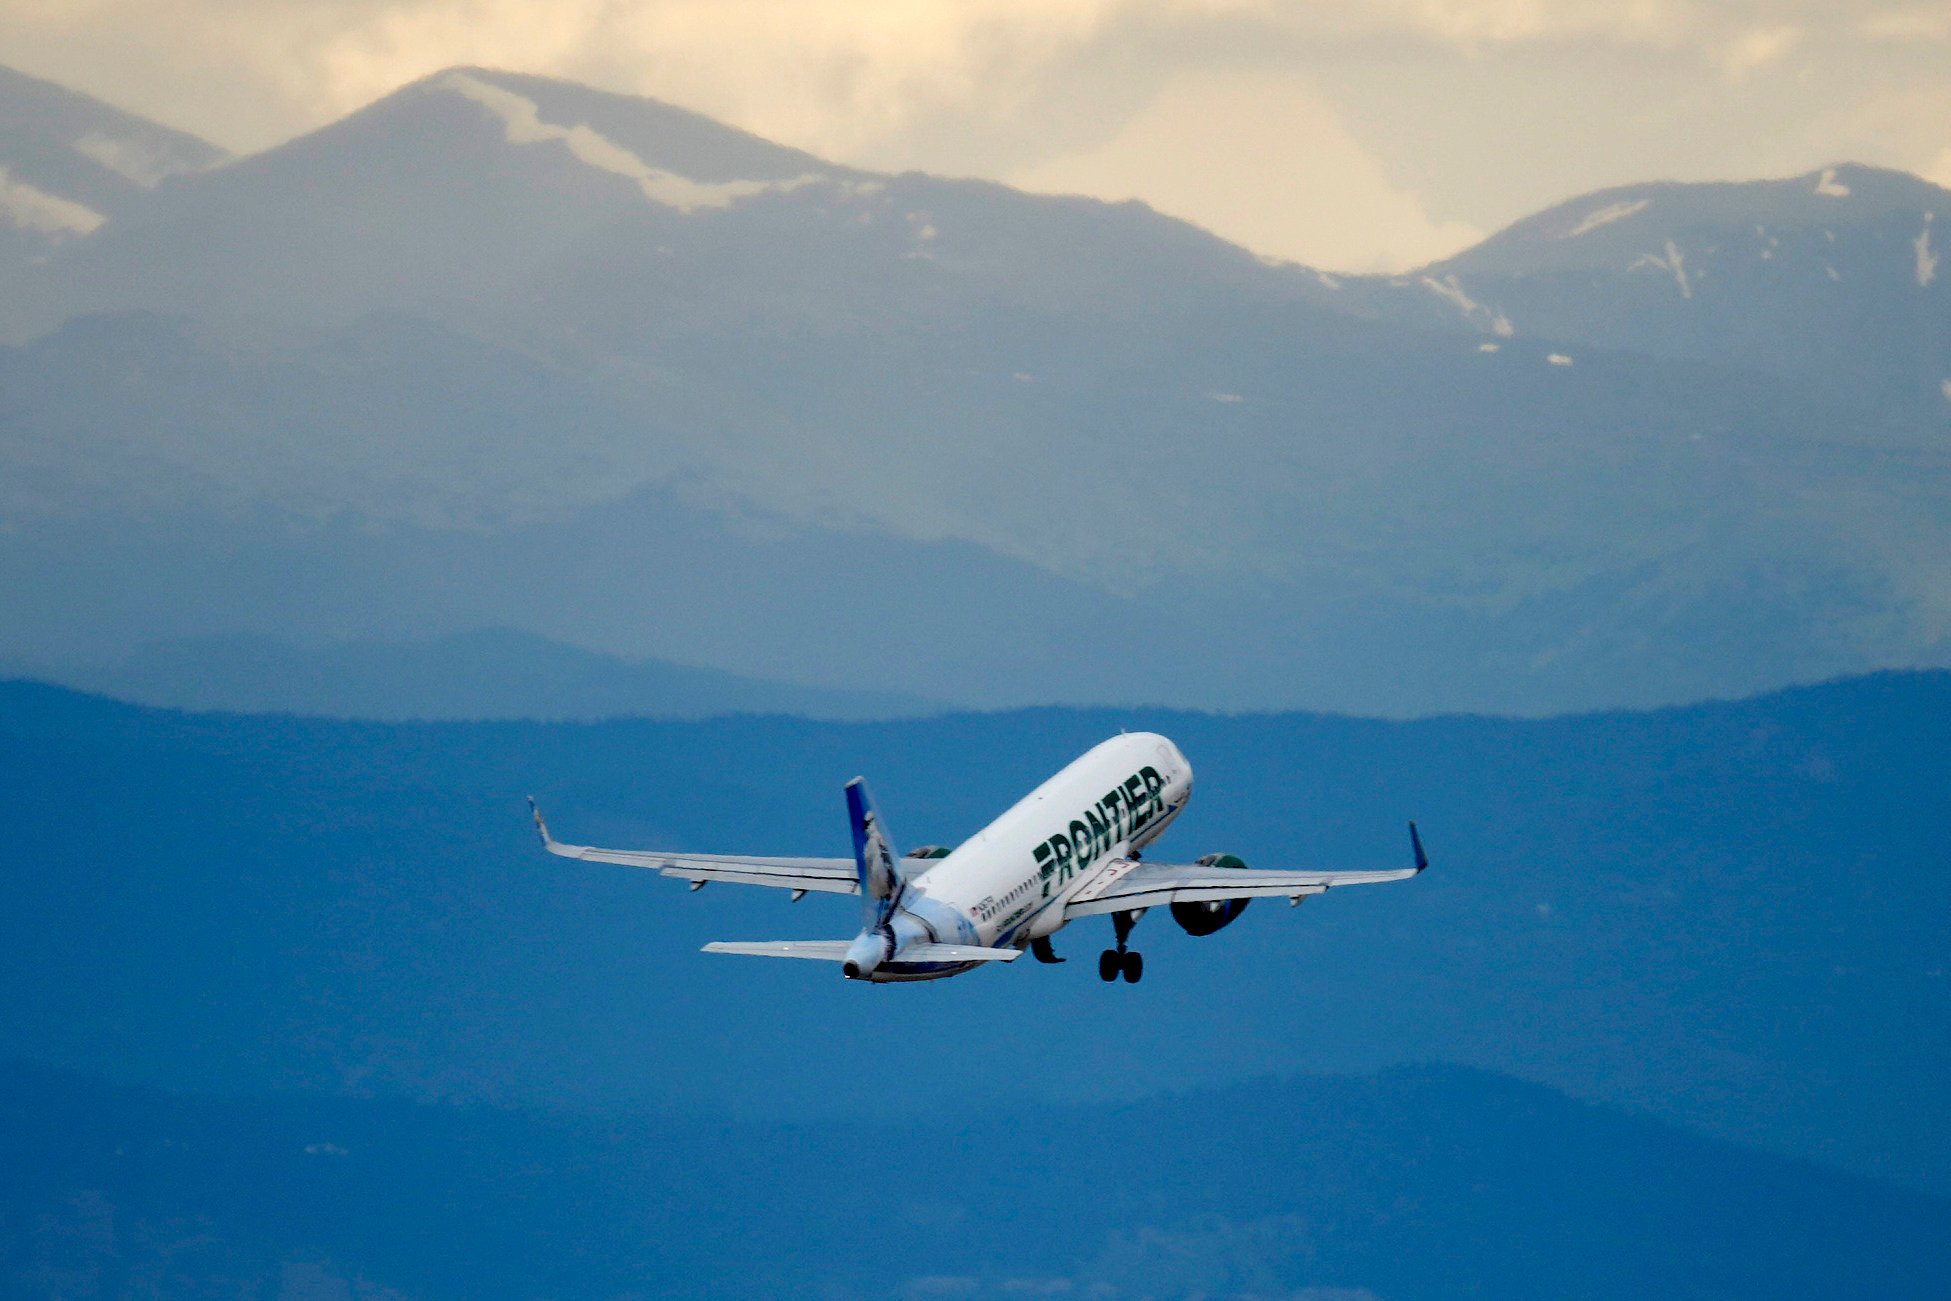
{"x": 875, "y": 857}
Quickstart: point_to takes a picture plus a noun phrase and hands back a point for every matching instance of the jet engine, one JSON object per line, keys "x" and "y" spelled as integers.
{"x": 1203, "y": 917}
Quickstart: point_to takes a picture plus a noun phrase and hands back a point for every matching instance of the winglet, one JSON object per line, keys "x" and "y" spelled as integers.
{"x": 541, "y": 827}
{"x": 1415, "y": 844}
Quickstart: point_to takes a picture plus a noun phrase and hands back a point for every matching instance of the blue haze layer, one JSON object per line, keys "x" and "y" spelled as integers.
{"x": 1418, "y": 1184}
{"x": 1728, "y": 916}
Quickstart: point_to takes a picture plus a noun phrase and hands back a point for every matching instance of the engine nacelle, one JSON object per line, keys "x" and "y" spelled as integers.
{"x": 1203, "y": 917}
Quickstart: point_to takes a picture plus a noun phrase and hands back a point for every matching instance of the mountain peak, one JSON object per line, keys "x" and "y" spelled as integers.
{"x": 455, "y": 187}
{"x": 1610, "y": 227}
{"x": 629, "y": 135}
{"x": 1863, "y": 181}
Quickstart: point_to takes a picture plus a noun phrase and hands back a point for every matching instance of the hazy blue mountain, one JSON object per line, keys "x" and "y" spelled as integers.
{"x": 403, "y": 480}
{"x": 494, "y": 307}
{"x": 487, "y": 674}
{"x": 1417, "y": 1183}
{"x": 69, "y": 163}
{"x": 493, "y": 317}
{"x": 1728, "y": 916}
{"x": 1829, "y": 281}
{"x": 421, "y": 202}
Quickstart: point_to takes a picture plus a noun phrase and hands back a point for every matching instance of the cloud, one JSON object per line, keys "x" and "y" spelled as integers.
{"x": 1923, "y": 22}
{"x": 833, "y": 75}
{"x": 1938, "y": 170}
{"x": 844, "y": 74}
{"x": 1758, "y": 48}
{"x": 1263, "y": 160}
{"x": 1911, "y": 120}
{"x": 375, "y": 49}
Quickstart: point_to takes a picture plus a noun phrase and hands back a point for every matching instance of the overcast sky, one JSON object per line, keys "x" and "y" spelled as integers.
{"x": 1351, "y": 134}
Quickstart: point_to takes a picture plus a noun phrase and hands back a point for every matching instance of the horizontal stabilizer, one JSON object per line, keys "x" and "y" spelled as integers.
{"x": 819, "y": 950}
{"x": 955, "y": 953}
{"x": 836, "y": 951}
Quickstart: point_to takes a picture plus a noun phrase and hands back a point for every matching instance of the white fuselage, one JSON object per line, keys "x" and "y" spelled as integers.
{"x": 1010, "y": 882}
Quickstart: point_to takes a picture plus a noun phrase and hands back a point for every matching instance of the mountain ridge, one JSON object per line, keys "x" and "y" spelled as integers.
{"x": 1826, "y": 280}
{"x": 485, "y": 674}
{"x": 1810, "y": 198}
{"x": 1332, "y": 1185}
{"x": 90, "y": 149}
{"x": 480, "y": 344}
{"x": 1725, "y": 916}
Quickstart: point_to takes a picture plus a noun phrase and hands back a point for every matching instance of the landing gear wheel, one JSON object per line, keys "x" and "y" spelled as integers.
{"x": 1108, "y": 964}
{"x": 1134, "y": 966}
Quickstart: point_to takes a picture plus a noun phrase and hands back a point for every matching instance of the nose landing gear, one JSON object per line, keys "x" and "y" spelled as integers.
{"x": 1113, "y": 963}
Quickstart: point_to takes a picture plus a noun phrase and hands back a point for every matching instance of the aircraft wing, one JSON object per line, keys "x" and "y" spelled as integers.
{"x": 1146, "y": 885}
{"x": 828, "y": 875}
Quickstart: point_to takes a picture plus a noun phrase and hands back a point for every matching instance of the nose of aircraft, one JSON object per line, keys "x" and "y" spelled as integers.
{"x": 1182, "y": 768}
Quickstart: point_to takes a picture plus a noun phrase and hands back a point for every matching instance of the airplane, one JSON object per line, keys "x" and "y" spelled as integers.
{"x": 1071, "y": 848}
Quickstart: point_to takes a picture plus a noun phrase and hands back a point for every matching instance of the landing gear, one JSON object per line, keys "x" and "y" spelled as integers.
{"x": 1120, "y": 961}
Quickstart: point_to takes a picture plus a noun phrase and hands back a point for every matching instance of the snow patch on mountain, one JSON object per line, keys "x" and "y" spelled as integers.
{"x": 1827, "y": 184}
{"x": 1673, "y": 263}
{"x": 1679, "y": 265}
{"x": 30, "y": 208}
{"x": 1606, "y": 216}
{"x": 132, "y": 160}
{"x": 1450, "y": 289}
{"x": 1926, "y": 259}
{"x": 522, "y": 120}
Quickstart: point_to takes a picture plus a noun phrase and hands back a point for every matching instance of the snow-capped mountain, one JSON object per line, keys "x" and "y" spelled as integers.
{"x": 520, "y": 326}
{"x": 69, "y": 163}
{"x": 748, "y": 310}
{"x": 435, "y": 199}
{"x": 1829, "y": 280}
